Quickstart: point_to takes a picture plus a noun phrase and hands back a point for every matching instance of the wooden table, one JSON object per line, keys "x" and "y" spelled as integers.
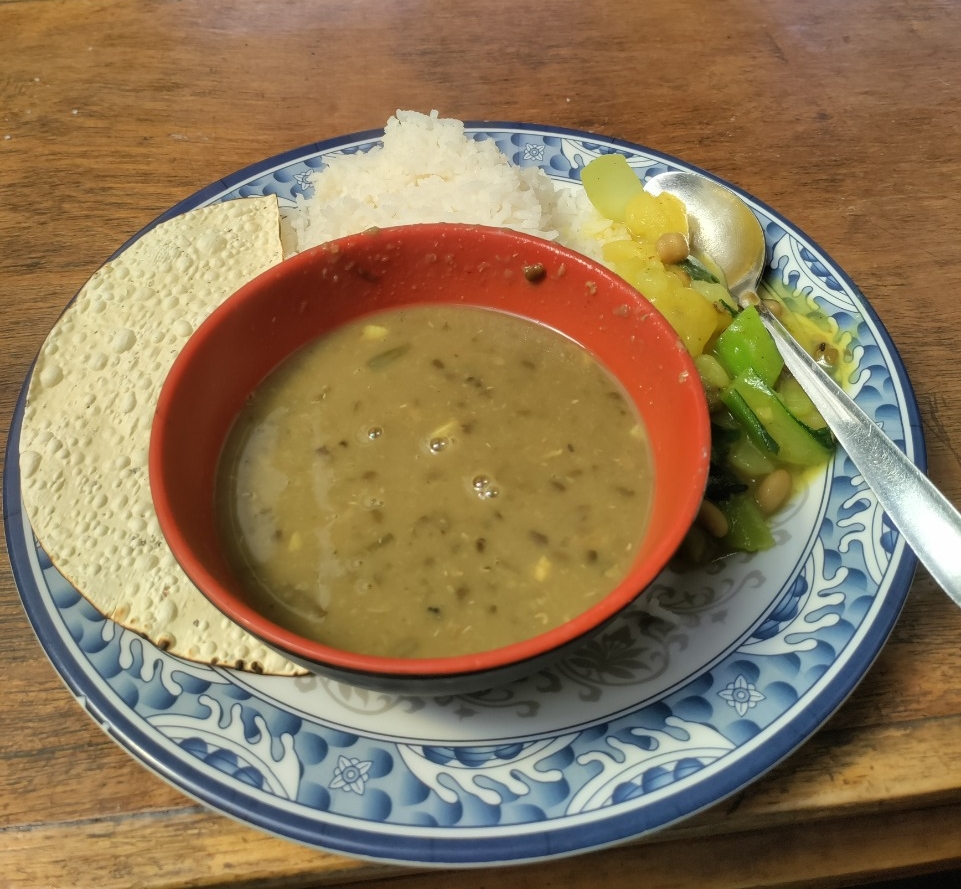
{"x": 845, "y": 117}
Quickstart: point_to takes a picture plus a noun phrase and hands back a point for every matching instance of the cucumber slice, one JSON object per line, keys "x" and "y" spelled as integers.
{"x": 749, "y": 531}
{"x": 795, "y": 443}
{"x": 610, "y": 183}
{"x": 741, "y": 410}
{"x": 748, "y": 460}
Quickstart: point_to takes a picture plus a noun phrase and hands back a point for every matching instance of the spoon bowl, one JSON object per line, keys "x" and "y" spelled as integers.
{"x": 723, "y": 227}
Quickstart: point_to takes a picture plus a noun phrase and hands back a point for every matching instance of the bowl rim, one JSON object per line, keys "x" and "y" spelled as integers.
{"x": 304, "y": 650}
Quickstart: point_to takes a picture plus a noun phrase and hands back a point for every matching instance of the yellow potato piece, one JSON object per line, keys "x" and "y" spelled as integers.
{"x": 630, "y": 253}
{"x": 719, "y": 296}
{"x": 542, "y": 569}
{"x": 649, "y": 216}
{"x": 374, "y": 332}
{"x": 693, "y": 318}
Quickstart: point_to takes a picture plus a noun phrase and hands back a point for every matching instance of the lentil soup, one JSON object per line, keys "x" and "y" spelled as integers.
{"x": 435, "y": 480}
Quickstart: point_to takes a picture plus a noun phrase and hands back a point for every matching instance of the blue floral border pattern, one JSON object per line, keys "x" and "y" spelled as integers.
{"x": 699, "y": 689}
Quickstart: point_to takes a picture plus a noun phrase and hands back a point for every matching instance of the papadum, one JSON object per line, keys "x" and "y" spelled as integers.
{"x": 86, "y": 425}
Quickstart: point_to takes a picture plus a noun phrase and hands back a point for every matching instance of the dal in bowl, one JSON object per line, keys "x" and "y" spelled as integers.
{"x": 422, "y": 567}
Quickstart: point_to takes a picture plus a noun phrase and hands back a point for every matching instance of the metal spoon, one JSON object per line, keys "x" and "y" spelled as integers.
{"x": 724, "y": 228}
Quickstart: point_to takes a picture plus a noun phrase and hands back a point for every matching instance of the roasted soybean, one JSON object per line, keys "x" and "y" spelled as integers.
{"x": 773, "y": 490}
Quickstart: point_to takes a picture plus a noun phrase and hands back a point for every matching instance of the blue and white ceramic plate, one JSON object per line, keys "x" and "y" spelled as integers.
{"x": 712, "y": 679}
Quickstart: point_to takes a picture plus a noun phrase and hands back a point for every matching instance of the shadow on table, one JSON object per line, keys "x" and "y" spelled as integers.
{"x": 943, "y": 880}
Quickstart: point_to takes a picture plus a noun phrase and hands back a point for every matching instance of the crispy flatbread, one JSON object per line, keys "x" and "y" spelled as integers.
{"x": 86, "y": 426}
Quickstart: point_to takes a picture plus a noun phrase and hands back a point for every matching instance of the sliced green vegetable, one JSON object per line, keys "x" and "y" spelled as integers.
{"x": 749, "y": 531}
{"x": 797, "y": 401}
{"x": 724, "y": 420}
{"x": 749, "y": 460}
{"x": 387, "y": 357}
{"x": 718, "y": 295}
{"x": 746, "y": 345}
{"x": 795, "y": 443}
{"x": 708, "y": 262}
{"x": 610, "y": 183}
{"x": 711, "y": 372}
{"x": 742, "y": 411}
{"x": 824, "y": 436}
{"x": 698, "y": 271}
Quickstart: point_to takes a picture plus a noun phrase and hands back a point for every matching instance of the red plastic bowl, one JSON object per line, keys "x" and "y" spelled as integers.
{"x": 302, "y": 298}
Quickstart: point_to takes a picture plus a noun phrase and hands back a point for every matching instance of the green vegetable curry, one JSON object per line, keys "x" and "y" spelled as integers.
{"x": 766, "y": 434}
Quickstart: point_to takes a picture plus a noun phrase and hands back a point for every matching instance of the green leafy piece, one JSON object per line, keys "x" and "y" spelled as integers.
{"x": 610, "y": 183}
{"x": 723, "y": 437}
{"x": 722, "y": 484}
{"x": 746, "y": 345}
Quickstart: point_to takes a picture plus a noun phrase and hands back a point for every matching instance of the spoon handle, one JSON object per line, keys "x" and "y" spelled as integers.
{"x": 931, "y": 526}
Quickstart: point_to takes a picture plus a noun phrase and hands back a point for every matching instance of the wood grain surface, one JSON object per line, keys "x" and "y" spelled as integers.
{"x": 844, "y": 117}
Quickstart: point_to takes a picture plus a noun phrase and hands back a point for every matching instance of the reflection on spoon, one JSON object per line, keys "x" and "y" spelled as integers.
{"x": 723, "y": 227}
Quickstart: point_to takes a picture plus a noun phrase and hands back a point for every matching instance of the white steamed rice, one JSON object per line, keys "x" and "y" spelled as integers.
{"x": 430, "y": 170}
